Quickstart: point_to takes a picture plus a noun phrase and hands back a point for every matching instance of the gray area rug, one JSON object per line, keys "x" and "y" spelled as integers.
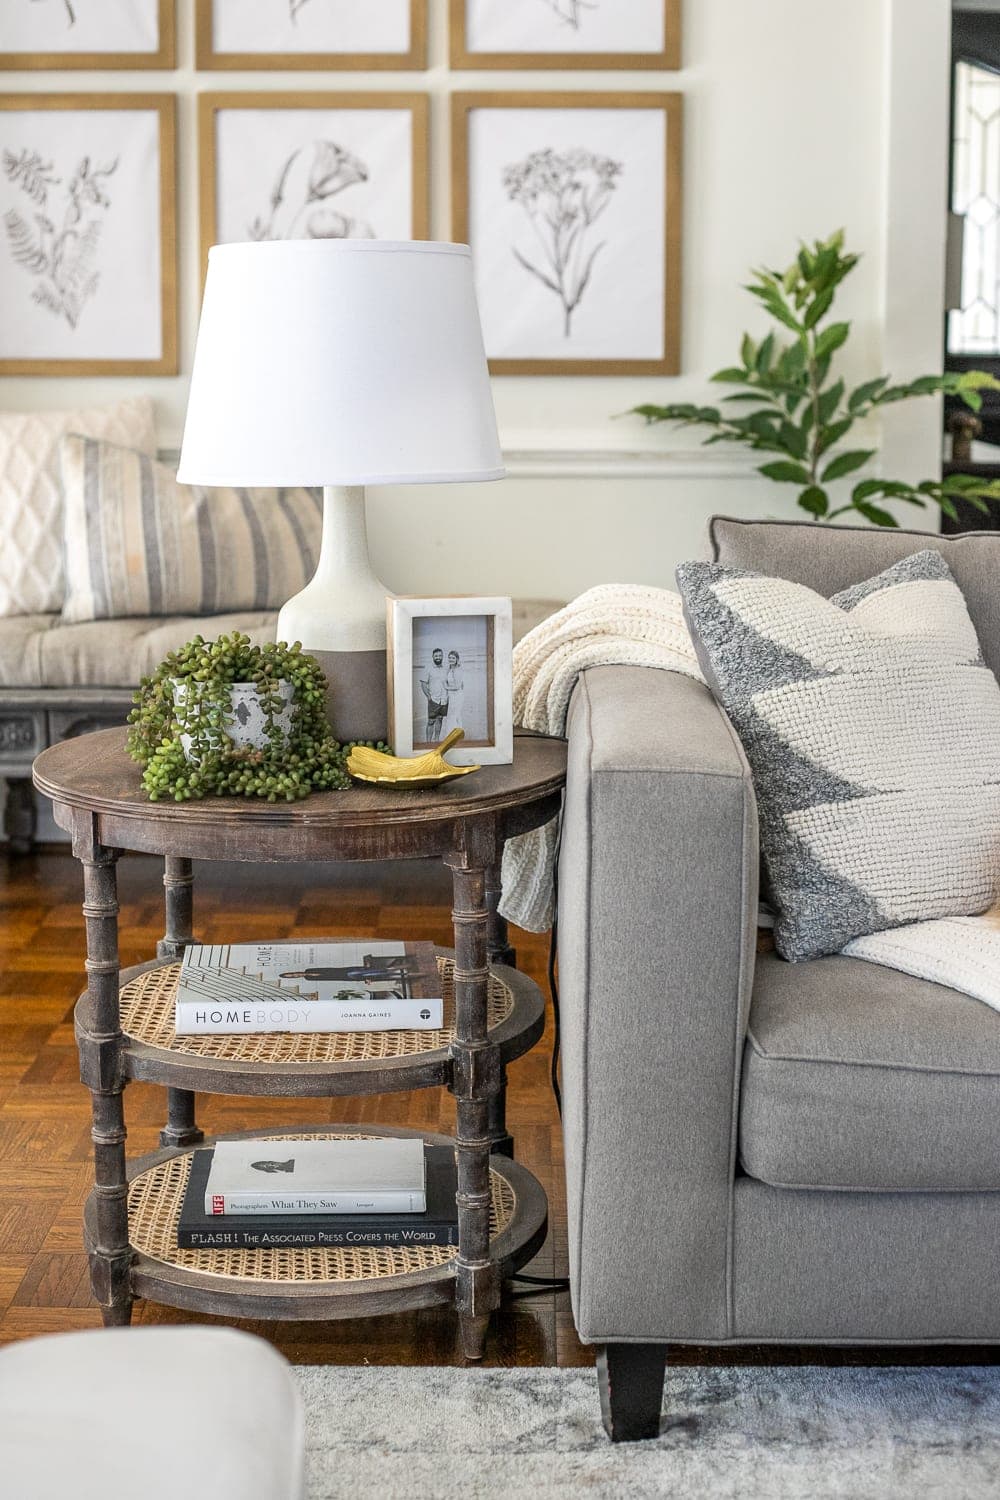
{"x": 786, "y": 1433}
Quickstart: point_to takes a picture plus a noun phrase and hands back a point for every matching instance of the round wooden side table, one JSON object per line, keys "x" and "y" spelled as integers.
{"x": 124, "y": 1031}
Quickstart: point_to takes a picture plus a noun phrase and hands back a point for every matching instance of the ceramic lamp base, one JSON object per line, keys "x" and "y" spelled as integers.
{"x": 339, "y": 617}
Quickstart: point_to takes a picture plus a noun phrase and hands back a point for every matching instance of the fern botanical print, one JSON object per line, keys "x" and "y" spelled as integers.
{"x": 563, "y": 194}
{"x": 55, "y": 238}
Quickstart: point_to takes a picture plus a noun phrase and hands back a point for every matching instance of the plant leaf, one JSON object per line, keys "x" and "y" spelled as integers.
{"x": 875, "y": 514}
{"x": 829, "y": 401}
{"x": 786, "y": 472}
{"x": 846, "y": 463}
{"x": 820, "y": 307}
{"x": 832, "y": 338}
{"x": 814, "y": 500}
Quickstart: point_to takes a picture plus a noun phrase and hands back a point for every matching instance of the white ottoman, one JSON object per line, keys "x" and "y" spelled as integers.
{"x": 156, "y": 1413}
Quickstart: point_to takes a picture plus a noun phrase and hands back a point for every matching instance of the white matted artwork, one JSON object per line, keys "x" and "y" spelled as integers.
{"x": 333, "y": 167}
{"x": 88, "y": 279}
{"x": 571, "y": 204}
{"x": 587, "y": 33}
{"x": 330, "y": 33}
{"x": 450, "y": 668}
{"x": 87, "y": 33}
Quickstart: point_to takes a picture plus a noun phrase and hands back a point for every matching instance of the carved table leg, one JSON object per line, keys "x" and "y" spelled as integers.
{"x": 476, "y": 1083}
{"x": 100, "y": 1068}
{"x": 500, "y": 952}
{"x": 178, "y": 885}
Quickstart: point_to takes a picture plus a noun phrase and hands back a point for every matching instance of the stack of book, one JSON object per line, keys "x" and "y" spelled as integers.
{"x": 232, "y": 988}
{"x": 316, "y": 1194}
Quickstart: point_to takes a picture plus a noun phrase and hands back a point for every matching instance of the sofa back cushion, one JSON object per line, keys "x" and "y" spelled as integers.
{"x": 139, "y": 543}
{"x": 831, "y": 558}
{"x": 31, "y": 493}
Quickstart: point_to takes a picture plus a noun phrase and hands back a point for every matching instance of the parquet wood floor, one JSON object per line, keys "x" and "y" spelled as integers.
{"x": 45, "y": 1164}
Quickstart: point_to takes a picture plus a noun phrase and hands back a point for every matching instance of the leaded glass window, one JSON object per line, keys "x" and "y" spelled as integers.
{"x": 975, "y": 192}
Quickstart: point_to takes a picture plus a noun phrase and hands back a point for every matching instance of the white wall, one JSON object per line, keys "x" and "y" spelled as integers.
{"x": 798, "y": 119}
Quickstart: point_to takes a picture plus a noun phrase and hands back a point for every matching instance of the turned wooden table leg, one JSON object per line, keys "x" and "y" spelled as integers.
{"x": 100, "y": 1069}
{"x": 178, "y": 884}
{"x": 499, "y": 952}
{"x": 476, "y": 1083}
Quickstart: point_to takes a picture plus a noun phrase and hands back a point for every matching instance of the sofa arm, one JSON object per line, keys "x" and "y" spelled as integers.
{"x": 657, "y": 920}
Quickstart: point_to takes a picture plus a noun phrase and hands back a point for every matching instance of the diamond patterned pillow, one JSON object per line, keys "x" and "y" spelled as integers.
{"x": 872, "y": 727}
{"x": 31, "y": 494}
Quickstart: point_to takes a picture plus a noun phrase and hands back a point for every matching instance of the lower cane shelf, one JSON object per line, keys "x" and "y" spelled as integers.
{"x": 307, "y": 1284}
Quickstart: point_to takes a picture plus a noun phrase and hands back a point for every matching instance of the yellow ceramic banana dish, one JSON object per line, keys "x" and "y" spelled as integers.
{"x": 395, "y": 770}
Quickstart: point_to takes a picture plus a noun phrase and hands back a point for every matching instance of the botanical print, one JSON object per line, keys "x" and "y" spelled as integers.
{"x": 322, "y": 27}
{"x": 67, "y": 6}
{"x": 57, "y": 243}
{"x": 299, "y": 208}
{"x": 584, "y": 26}
{"x": 563, "y": 195}
{"x": 80, "y": 234}
{"x": 307, "y": 174}
{"x": 570, "y": 11}
{"x": 566, "y": 215}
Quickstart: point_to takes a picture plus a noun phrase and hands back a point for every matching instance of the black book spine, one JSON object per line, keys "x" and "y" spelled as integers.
{"x": 276, "y": 1235}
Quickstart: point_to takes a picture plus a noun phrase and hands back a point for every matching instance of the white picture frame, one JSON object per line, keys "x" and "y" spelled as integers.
{"x": 473, "y": 637}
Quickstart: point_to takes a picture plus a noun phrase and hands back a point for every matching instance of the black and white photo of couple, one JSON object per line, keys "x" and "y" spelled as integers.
{"x": 450, "y": 670}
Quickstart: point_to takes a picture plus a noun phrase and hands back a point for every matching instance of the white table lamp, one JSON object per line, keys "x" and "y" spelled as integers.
{"x": 340, "y": 363}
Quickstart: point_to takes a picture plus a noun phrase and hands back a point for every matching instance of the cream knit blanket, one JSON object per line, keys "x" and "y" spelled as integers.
{"x": 632, "y": 625}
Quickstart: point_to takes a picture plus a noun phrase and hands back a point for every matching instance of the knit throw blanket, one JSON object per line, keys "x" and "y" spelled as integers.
{"x": 632, "y": 625}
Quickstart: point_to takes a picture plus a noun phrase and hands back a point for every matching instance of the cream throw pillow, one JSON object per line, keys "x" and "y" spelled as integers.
{"x": 31, "y": 496}
{"x": 139, "y": 543}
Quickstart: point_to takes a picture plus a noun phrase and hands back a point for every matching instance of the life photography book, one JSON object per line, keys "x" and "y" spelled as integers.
{"x": 359, "y": 985}
{"x": 280, "y": 1176}
{"x": 437, "y": 1225}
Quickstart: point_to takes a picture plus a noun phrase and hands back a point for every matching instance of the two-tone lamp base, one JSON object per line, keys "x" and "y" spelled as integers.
{"x": 339, "y": 617}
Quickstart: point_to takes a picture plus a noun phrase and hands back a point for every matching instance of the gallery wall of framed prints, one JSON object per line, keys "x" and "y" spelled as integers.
{"x": 570, "y": 197}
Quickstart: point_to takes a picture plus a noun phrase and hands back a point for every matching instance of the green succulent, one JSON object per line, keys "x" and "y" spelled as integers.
{"x": 286, "y": 769}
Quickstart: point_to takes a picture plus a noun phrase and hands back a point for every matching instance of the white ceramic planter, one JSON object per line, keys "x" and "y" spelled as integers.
{"x": 245, "y": 724}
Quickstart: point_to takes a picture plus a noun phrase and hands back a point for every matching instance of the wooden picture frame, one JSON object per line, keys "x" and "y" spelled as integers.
{"x": 668, "y": 56}
{"x": 473, "y": 637}
{"x": 208, "y": 59}
{"x": 163, "y": 56}
{"x": 84, "y": 208}
{"x": 210, "y": 106}
{"x": 656, "y": 339}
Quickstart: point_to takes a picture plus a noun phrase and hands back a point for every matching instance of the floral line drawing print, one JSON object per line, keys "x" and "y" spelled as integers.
{"x": 570, "y": 11}
{"x": 68, "y": 8}
{"x": 61, "y": 258}
{"x": 563, "y": 195}
{"x": 294, "y": 6}
{"x": 299, "y": 203}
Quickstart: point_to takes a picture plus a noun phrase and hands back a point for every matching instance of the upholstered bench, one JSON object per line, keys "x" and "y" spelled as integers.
{"x": 156, "y": 1413}
{"x": 59, "y": 680}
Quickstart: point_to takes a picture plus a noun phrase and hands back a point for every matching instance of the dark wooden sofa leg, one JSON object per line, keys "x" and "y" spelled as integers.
{"x": 20, "y": 817}
{"x": 630, "y": 1377}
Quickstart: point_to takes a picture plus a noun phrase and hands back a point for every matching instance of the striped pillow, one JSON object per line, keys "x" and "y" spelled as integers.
{"x": 139, "y": 543}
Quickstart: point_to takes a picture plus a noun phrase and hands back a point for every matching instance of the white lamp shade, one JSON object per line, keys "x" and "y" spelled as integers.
{"x": 339, "y": 362}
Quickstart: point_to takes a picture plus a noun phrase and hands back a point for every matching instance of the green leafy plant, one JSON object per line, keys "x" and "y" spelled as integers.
{"x": 797, "y": 409}
{"x": 189, "y": 695}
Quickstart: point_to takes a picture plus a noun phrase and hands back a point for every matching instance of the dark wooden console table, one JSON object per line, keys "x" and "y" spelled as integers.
{"x": 124, "y": 1031}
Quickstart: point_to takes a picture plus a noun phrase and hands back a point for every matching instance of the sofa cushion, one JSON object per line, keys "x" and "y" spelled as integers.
{"x": 831, "y": 558}
{"x": 138, "y": 543}
{"x": 872, "y": 726}
{"x": 39, "y": 651}
{"x": 31, "y": 493}
{"x": 862, "y": 1078}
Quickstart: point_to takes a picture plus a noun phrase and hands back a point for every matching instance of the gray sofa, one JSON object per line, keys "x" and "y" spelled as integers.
{"x": 57, "y": 681}
{"x": 755, "y": 1151}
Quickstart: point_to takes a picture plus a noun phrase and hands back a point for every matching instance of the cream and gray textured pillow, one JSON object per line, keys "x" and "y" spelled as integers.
{"x": 139, "y": 543}
{"x": 872, "y": 727}
{"x": 31, "y": 494}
